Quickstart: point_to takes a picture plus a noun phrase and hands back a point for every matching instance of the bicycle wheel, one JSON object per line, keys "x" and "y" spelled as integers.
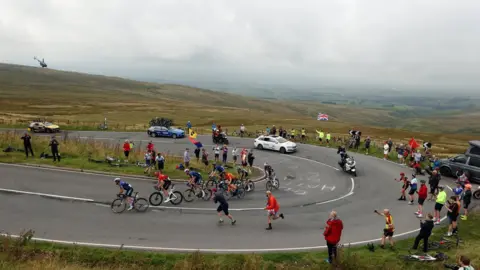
{"x": 176, "y": 198}
{"x": 210, "y": 184}
{"x": 156, "y": 198}
{"x": 268, "y": 185}
{"x": 141, "y": 205}
{"x": 241, "y": 193}
{"x": 189, "y": 195}
{"x": 207, "y": 194}
{"x": 276, "y": 183}
{"x": 118, "y": 206}
{"x": 250, "y": 186}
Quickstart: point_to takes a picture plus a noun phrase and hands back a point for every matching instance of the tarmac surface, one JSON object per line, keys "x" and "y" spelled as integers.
{"x": 311, "y": 186}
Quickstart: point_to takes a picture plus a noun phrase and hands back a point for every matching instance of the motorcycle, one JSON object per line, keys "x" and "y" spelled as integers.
{"x": 348, "y": 165}
{"x": 476, "y": 194}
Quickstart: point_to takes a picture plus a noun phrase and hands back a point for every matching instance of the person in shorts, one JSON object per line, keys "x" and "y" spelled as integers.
{"x": 413, "y": 188}
{"x": 467, "y": 198}
{"x": 223, "y": 206}
{"x": 452, "y": 214}
{"x": 389, "y": 227}
{"x": 439, "y": 203}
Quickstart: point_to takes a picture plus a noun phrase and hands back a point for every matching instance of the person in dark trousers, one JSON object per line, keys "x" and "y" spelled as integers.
{"x": 333, "y": 233}
{"x": 223, "y": 205}
{"x": 197, "y": 153}
{"x": 27, "y": 144}
{"x": 426, "y": 227}
{"x": 54, "y": 148}
{"x": 250, "y": 158}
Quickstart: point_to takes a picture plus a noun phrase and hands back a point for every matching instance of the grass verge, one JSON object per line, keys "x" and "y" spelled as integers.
{"x": 75, "y": 153}
{"x": 23, "y": 253}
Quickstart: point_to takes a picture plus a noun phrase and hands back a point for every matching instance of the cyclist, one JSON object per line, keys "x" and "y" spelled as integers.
{"x": 124, "y": 186}
{"x": 272, "y": 208}
{"x": 230, "y": 182}
{"x": 163, "y": 184}
{"x": 243, "y": 173}
{"x": 218, "y": 168}
{"x": 195, "y": 178}
{"x": 268, "y": 170}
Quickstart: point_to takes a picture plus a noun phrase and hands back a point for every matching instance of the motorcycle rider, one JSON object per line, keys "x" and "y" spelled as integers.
{"x": 343, "y": 155}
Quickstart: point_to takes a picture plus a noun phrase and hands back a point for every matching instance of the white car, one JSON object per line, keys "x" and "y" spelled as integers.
{"x": 275, "y": 143}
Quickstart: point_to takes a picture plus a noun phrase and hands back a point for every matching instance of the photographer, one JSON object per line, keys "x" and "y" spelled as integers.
{"x": 426, "y": 227}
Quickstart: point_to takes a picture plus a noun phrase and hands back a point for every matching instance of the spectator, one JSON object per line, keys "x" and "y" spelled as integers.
{"x": 224, "y": 154}
{"x": 189, "y": 126}
{"x": 214, "y": 126}
{"x": 304, "y": 134}
{"x": 440, "y": 202}
{"x": 367, "y": 144}
{"x": 27, "y": 144}
{"x": 452, "y": 214}
{"x": 464, "y": 263}
{"x": 267, "y": 131}
{"x": 426, "y": 227}
{"x": 205, "y": 157}
{"x": 54, "y": 148}
{"x": 216, "y": 151}
{"x": 250, "y": 158}
{"x": 242, "y": 130}
{"x": 148, "y": 162}
{"x": 400, "y": 154}
{"x": 243, "y": 157}
{"x": 186, "y": 158}
{"x": 389, "y": 227}
{"x": 160, "y": 159}
{"x": 433, "y": 181}
{"x": 413, "y": 188}
{"x": 273, "y": 131}
{"x": 150, "y": 146}
{"x": 328, "y": 137}
{"x": 292, "y": 134}
{"x": 422, "y": 196}
{"x": 131, "y": 146}
{"x": 467, "y": 198}
{"x": 126, "y": 150}
{"x": 197, "y": 153}
{"x": 333, "y": 233}
{"x": 417, "y": 157}
{"x": 385, "y": 150}
{"x": 390, "y": 144}
{"x": 234, "y": 155}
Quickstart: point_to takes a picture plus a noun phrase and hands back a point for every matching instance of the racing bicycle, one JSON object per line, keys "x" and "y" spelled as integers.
{"x": 156, "y": 198}
{"x": 119, "y": 205}
{"x": 444, "y": 243}
{"x": 198, "y": 191}
{"x": 424, "y": 258}
{"x": 272, "y": 182}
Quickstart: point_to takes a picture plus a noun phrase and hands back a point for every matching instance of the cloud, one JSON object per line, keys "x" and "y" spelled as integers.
{"x": 431, "y": 42}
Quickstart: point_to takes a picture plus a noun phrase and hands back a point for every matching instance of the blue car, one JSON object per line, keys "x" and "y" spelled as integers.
{"x": 171, "y": 132}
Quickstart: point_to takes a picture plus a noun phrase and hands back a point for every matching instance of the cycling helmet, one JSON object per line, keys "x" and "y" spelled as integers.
{"x": 116, "y": 180}
{"x": 187, "y": 171}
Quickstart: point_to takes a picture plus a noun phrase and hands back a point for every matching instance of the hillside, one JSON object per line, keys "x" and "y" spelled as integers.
{"x": 30, "y": 92}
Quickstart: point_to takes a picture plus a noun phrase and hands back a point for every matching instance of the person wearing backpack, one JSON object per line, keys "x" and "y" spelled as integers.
{"x": 464, "y": 263}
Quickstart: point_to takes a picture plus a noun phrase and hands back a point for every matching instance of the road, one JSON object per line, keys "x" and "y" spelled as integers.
{"x": 311, "y": 186}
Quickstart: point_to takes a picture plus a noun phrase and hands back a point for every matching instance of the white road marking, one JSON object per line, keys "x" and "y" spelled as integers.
{"x": 311, "y": 160}
{"x": 118, "y": 246}
{"x": 46, "y": 195}
{"x": 331, "y": 188}
{"x": 342, "y": 197}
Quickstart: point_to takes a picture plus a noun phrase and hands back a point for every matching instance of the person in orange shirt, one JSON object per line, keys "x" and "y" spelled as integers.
{"x": 272, "y": 208}
{"x": 229, "y": 178}
{"x": 126, "y": 149}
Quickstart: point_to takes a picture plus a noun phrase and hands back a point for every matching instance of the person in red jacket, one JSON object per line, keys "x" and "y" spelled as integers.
{"x": 333, "y": 233}
{"x": 126, "y": 149}
{"x": 422, "y": 196}
{"x": 272, "y": 208}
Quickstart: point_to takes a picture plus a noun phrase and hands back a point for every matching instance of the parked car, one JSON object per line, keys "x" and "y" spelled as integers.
{"x": 462, "y": 163}
{"x": 275, "y": 143}
{"x": 43, "y": 127}
{"x": 171, "y": 132}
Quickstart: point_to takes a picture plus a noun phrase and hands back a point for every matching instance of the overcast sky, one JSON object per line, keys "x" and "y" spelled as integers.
{"x": 392, "y": 42}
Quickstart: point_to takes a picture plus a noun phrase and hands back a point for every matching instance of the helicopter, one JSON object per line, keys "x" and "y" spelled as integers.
{"x": 41, "y": 62}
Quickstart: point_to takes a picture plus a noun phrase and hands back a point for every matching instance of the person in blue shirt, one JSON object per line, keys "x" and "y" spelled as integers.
{"x": 189, "y": 125}
{"x": 218, "y": 168}
{"x": 195, "y": 178}
{"x": 413, "y": 188}
{"x": 127, "y": 188}
{"x": 214, "y": 127}
{"x": 458, "y": 191}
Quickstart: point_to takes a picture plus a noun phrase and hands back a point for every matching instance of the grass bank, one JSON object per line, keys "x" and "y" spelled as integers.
{"x": 77, "y": 153}
{"x": 23, "y": 253}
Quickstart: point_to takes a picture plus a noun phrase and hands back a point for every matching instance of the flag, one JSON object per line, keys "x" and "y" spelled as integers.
{"x": 192, "y": 134}
{"x": 322, "y": 117}
{"x": 413, "y": 144}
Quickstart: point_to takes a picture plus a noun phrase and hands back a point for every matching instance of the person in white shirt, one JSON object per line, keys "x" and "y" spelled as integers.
{"x": 186, "y": 158}
{"x": 235, "y": 155}
{"x": 417, "y": 156}
{"x": 386, "y": 147}
{"x": 216, "y": 151}
{"x": 242, "y": 130}
{"x": 464, "y": 263}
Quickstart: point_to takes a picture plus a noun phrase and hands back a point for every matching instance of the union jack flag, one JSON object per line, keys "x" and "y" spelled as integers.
{"x": 322, "y": 117}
